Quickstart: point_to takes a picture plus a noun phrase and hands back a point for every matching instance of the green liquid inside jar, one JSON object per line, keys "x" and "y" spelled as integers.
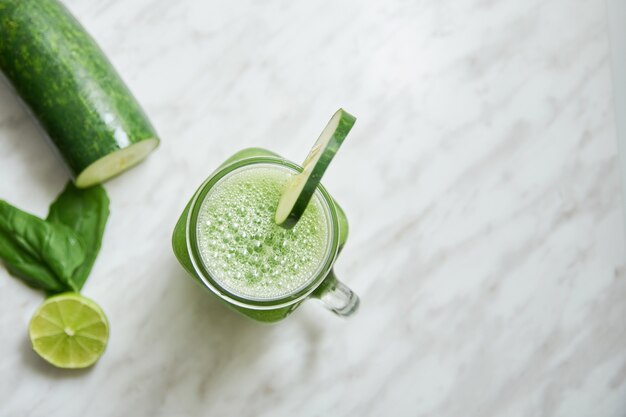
{"x": 244, "y": 250}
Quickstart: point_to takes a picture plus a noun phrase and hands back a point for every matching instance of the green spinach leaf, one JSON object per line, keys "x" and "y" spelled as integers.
{"x": 43, "y": 254}
{"x": 85, "y": 211}
{"x": 28, "y": 269}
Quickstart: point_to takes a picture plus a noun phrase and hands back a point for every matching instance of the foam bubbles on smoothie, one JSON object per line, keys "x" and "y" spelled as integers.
{"x": 245, "y": 250}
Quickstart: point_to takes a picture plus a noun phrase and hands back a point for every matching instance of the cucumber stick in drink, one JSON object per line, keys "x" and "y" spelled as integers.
{"x": 300, "y": 189}
{"x": 71, "y": 88}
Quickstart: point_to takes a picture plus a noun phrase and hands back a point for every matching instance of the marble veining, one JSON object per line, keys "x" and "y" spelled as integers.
{"x": 481, "y": 182}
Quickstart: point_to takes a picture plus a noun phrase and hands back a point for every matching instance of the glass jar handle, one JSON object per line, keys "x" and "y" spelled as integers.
{"x": 336, "y": 296}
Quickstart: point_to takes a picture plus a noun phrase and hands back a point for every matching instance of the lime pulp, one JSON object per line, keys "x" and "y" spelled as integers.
{"x": 69, "y": 331}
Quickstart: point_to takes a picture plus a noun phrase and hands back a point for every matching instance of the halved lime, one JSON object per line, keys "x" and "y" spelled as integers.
{"x": 301, "y": 187}
{"x": 69, "y": 331}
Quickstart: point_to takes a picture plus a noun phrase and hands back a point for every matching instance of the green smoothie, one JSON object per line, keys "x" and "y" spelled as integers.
{"x": 228, "y": 240}
{"x": 244, "y": 250}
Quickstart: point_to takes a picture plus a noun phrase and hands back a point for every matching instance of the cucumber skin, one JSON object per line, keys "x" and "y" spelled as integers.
{"x": 345, "y": 125}
{"x": 69, "y": 85}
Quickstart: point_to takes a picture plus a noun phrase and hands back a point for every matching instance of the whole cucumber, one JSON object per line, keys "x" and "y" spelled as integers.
{"x": 73, "y": 90}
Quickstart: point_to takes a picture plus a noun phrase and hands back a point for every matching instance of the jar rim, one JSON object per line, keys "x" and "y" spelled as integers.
{"x": 248, "y": 302}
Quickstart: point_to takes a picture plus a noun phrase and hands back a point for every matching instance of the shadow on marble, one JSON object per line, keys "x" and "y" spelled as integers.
{"x": 312, "y": 334}
{"x": 233, "y": 344}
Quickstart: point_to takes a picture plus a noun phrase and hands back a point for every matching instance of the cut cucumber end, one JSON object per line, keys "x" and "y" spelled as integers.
{"x": 299, "y": 190}
{"x": 115, "y": 163}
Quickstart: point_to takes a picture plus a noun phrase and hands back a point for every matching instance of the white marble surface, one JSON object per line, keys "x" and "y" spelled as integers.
{"x": 616, "y": 10}
{"x": 481, "y": 182}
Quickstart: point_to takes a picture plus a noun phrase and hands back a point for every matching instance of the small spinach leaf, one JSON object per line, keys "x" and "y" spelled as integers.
{"x": 44, "y": 253}
{"x": 85, "y": 211}
{"x": 28, "y": 269}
